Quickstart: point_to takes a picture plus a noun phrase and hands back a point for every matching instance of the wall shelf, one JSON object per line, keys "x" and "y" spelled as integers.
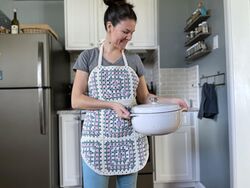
{"x": 199, "y": 37}
{"x": 196, "y": 21}
{"x": 197, "y": 46}
{"x": 197, "y": 55}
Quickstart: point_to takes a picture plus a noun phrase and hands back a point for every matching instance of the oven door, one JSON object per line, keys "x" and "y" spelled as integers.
{"x": 145, "y": 176}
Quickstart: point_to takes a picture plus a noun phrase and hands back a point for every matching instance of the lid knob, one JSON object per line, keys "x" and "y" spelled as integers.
{"x": 153, "y": 100}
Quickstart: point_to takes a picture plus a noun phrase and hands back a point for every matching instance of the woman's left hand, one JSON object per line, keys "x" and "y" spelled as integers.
{"x": 121, "y": 111}
{"x": 181, "y": 103}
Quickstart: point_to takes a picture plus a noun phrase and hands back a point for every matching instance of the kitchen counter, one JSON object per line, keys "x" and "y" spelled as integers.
{"x": 70, "y": 111}
{"x": 187, "y": 117}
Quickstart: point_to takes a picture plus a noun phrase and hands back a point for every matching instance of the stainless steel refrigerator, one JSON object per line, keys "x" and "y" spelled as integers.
{"x": 34, "y": 73}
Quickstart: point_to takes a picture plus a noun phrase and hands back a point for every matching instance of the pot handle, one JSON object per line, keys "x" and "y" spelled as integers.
{"x": 132, "y": 115}
{"x": 184, "y": 110}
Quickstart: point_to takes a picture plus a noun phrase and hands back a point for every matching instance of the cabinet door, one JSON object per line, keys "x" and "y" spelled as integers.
{"x": 101, "y": 32}
{"x": 80, "y": 24}
{"x": 146, "y": 29}
{"x": 173, "y": 154}
{"x": 70, "y": 161}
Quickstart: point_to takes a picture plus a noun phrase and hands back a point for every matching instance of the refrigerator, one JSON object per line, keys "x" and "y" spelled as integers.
{"x": 34, "y": 74}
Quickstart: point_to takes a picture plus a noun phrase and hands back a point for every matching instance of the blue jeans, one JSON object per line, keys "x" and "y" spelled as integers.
{"x": 93, "y": 180}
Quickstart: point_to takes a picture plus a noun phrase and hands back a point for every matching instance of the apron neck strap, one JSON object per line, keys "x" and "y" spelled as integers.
{"x": 101, "y": 53}
{"x": 124, "y": 58}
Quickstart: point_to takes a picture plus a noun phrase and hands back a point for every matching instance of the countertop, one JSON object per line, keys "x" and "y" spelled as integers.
{"x": 71, "y": 111}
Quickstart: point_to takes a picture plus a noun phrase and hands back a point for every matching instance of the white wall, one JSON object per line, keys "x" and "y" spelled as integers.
{"x": 237, "y": 15}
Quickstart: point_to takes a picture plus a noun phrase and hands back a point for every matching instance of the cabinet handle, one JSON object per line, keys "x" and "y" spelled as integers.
{"x": 131, "y": 44}
{"x": 40, "y": 64}
{"x": 42, "y": 111}
{"x": 91, "y": 44}
{"x": 77, "y": 118}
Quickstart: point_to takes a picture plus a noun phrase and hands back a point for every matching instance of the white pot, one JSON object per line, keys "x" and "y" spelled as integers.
{"x": 155, "y": 118}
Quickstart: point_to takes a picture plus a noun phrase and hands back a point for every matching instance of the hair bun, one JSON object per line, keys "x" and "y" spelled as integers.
{"x": 114, "y": 2}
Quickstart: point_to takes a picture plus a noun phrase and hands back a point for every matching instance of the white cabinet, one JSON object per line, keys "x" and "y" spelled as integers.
{"x": 177, "y": 157}
{"x": 174, "y": 162}
{"x": 101, "y": 32}
{"x": 84, "y": 25}
{"x": 145, "y": 35}
{"x": 80, "y": 24}
{"x": 69, "y": 149}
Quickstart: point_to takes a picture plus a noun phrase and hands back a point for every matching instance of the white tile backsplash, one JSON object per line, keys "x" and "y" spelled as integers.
{"x": 180, "y": 82}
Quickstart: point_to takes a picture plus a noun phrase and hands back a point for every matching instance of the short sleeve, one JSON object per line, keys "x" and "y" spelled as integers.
{"x": 82, "y": 62}
{"x": 135, "y": 62}
{"x": 140, "y": 67}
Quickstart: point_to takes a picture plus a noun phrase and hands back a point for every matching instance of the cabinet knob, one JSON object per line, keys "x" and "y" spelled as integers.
{"x": 91, "y": 44}
{"x": 131, "y": 43}
{"x": 100, "y": 41}
{"x": 77, "y": 118}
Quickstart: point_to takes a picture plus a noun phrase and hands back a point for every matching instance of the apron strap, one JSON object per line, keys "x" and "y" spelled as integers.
{"x": 101, "y": 52}
{"x": 124, "y": 58}
{"x": 100, "y": 55}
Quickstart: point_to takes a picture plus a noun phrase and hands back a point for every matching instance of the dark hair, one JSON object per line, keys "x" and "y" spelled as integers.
{"x": 118, "y": 10}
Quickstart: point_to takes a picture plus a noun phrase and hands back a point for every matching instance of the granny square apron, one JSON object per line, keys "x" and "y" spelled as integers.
{"x": 109, "y": 144}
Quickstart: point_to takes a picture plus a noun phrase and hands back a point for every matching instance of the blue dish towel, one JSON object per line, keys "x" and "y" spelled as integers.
{"x": 209, "y": 105}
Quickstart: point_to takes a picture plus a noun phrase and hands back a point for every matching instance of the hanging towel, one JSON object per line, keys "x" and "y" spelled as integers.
{"x": 208, "y": 106}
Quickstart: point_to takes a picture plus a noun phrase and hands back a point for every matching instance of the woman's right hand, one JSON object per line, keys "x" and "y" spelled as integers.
{"x": 121, "y": 111}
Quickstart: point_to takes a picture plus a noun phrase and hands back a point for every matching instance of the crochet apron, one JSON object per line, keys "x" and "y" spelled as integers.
{"x": 109, "y": 144}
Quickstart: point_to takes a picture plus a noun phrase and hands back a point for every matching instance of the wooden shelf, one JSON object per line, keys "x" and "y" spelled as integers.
{"x": 196, "y": 21}
{"x": 197, "y": 38}
{"x": 197, "y": 55}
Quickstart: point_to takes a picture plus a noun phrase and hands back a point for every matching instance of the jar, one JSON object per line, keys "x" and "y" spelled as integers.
{"x": 203, "y": 46}
{"x": 196, "y": 31}
{"x": 204, "y": 27}
{"x": 188, "y": 51}
{"x": 191, "y": 34}
{"x": 200, "y": 28}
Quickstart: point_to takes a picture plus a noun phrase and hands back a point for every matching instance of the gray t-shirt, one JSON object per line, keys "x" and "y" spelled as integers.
{"x": 88, "y": 60}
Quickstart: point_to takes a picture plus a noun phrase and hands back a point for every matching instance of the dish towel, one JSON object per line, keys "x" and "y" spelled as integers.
{"x": 208, "y": 106}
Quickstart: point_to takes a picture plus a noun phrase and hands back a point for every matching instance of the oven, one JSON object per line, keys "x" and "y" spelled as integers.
{"x": 145, "y": 176}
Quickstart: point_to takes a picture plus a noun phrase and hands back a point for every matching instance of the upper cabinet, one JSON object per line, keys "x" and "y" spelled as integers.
{"x": 145, "y": 35}
{"x": 84, "y": 25}
{"x": 80, "y": 24}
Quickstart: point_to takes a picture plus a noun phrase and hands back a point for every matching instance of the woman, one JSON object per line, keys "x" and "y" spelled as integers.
{"x": 107, "y": 83}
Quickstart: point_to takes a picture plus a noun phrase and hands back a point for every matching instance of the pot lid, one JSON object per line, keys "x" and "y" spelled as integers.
{"x": 154, "y": 108}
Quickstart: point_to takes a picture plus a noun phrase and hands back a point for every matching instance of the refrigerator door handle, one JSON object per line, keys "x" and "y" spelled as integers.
{"x": 42, "y": 111}
{"x": 40, "y": 62}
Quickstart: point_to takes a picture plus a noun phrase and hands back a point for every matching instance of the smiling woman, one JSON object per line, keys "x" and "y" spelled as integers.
{"x": 121, "y": 33}
{"x": 114, "y": 82}
{"x": 111, "y": 77}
